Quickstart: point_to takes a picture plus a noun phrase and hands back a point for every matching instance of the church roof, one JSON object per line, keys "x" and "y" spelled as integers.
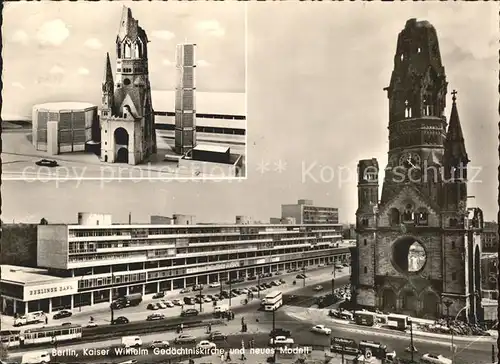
{"x": 129, "y": 27}
{"x": 108, "y": 72}
{"x": 454, "y": 150}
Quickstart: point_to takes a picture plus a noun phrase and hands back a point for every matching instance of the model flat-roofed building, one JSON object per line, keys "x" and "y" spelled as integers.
{"x": 96, "y": 260}
{"x": 60, "y": 127}
{"x": 304, "y": 212}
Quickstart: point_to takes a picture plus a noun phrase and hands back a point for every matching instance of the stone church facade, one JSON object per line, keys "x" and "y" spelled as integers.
{"x": 418, "y": 244}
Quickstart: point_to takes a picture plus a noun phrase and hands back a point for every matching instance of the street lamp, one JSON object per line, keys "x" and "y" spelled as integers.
{"x": 448, "y": 303}
{"x": 452, "y": 336}
{"x": 112, "y": 288}
{"x": 411, "y": 338}
{"x": 200, "y": 297}
{"x": 258, "y": 284}
{"x": 304, "y": 274}
{"x": 333, "y": 282}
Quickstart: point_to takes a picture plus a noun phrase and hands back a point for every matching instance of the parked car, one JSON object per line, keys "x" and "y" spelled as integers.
{"x": 206, "y": 345}
{"x": 152, "y": 306}
{"x": 185, "y": 290}
{"x": 281, "y": 340}
{"x": 282, "y": 281}
{"x": 433, "y": 358}
{"x": 300, "y": 276}
{"x": 321, "y": 329}
{"x": 214, "y": 284}
{"x": 155, "y": 317}
{"x": 268, "y": 285}
{"x": 197, "y": 287}
{"x": 168, "y": 303}
{"x": 177, "y": 302}
{"x": 251, "y": 278}
{"x": 66, "y": 324}
{"x": 184, "y": 339}
{"x": 161, "y": 305}
{"x": 161, "y": 344}
{"x": 318, "y": 288}
{"x": 254, "y": 289}
{"x": 91, "y": 324}
{"x": 189, "y": 312}
{"x": 216, "y": 336}
{"x": 280, "y": 332}
{"x": 47, "y": 163}
{"x": 159, "y": 295}
{"x": 207, "y": 299}
{"x": 120, "y": 320}
{"x": 62, "y": 314}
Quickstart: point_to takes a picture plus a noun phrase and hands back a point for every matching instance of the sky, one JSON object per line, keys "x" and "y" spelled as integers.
{"x": 56, "y": 51}
{"x": 316, "y": 106}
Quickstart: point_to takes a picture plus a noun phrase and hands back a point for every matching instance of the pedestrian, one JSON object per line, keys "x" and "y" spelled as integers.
{"x": 46, "y": 320}
{"x": 222, "y": 357}
{"x": 209, "y": 328}
{"x": 182, "y": 327}
{"x": 228, "y": 357}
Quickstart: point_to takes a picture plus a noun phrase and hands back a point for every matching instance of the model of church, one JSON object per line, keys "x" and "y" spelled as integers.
{"x": 127, "y": 119}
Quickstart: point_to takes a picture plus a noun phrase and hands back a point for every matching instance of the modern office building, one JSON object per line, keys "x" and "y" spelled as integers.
{"x": 95, "y": 260}
{"x": 61, "y": 127}
{"x": 304, "y": 212}
{"x": 185, "y": 99}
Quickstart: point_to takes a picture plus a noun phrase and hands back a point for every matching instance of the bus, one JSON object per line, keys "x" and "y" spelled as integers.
{"x": 10, "y": 338}
{"x": 398, "y": 322}
{"x": 272, "y": 301}
{"x": 343, "y": 345}
{"x": 373, "y": 349}
{"x": 52, "y": 334}
{"x": 365, "y": 318}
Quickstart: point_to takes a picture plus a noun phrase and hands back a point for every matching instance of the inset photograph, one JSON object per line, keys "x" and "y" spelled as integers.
{"x": 144, "y": 90}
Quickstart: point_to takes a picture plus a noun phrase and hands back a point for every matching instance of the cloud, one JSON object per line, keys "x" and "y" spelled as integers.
{"x": 93, "y": 43}
{"x": 19, "y": 36}
{"x": 53, "y": 33}
{"x": 211, "y": 27}
{"x": 202, "y": 63}
{"x": 167, "y": 62}
{"x": 83, "y": 71}
{"x": 162, "y": 34}
{"x": 57, "y": 70}
{"x": 18, "y": 85}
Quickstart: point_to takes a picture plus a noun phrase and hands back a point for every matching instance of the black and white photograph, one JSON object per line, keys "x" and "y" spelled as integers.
{"x": 362, "y": 229}
{"x": 140, "y": 91}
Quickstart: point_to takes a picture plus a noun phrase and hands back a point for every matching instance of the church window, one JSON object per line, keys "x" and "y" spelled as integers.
{"x": 119, "y": 50}
{"x": 126, "y": 82}
{"x": 105, "y": 158}
{"x": 408, "y": 213}
{"x": 366, "y": 270}
{"x": 137, "y": 53}
{"x": 453, "y": 222}
{"x": 419, "y": 50}
{"x": 124, "y": 114}
{"x": 364, "y": 241}
{"x": 394, "y": 217}
{"x": 118, "y": 70}
{"x": 118, "y": 85}
{"x": 402, "y": 57}
{"x": 453, "y": 246}
{"x": 127, "y": 50}
{"x": 407, "y": 109}
{"x": 421, "y": 217}
{"x": 454, "y": 276}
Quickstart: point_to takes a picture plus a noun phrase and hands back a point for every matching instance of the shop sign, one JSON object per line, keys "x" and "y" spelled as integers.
{"x": 50, "y": 290}
{"x": 212, "y": 267}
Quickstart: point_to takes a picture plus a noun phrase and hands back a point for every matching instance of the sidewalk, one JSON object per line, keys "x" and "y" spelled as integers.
{"x": 102, "y": 313}
{"x": 318, "y": 316}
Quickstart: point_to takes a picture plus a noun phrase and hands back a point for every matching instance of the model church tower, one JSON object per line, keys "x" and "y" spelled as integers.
{"x": 127, "y": 119}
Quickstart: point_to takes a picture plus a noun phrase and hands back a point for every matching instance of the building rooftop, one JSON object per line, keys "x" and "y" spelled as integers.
{"x": 206, "y": 122}
{"x": 24, "y": 275}
{"x": 211, "y": 148}
{"x": 68, "y": 105}
{"x": 216, "y": 103}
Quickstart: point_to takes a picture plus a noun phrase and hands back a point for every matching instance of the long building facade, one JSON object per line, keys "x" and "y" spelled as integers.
{"x": 95, "y": 261}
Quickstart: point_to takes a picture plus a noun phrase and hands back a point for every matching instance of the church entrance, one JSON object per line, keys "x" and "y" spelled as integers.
{"x": 409, "y": 306}
{"x": 121, "y": 145}
{"x": 430, "y": 305}
{"x": 389, "y": 300}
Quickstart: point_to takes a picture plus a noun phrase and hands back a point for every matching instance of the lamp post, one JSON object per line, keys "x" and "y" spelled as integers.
{"x": 230, "y": 291}
{"x": 112, "y": 288}
{"x": 452, "y": 336}
{"x": 448, "y": 303}
{"x": 258, "y": 284}
{"x": 200, "y": 298}
{"x": 274, "y": 328}
{"x": 411, "y": 339}
{"x": 304, "y": 274}
{"x": 333, "y": 282}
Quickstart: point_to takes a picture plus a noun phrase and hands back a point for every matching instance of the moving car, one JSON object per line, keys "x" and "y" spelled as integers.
{"x": 435, "y": 359}
{"x": 321, "y": 329}
{"x": 206, "y": 345}
{"x": 120, "y": 320}
{"x": 131, "y": 341}
{"x": 281, "y": 340}
{"x": 185, "y": 290}
{"x": 318, "y": 288}
{"x": 189, "y": 312}
{"x": 159, "y": 295}
{"x": 152, "y": 306}
{"x": 36, "y": 358}
{"x": 155, "y": 317}
{"x": 280, "y": 332}
{"x": 47, "y": 163}
{"x": 197, "y": 287}
{"x": 91, "y": 324}
{"x": 62, "y": 314}
{"x": 184, "y": 339}
{"x": 217, "y": 335}
{"x": 161, "y": 344}
{"x": 214, "y": 284}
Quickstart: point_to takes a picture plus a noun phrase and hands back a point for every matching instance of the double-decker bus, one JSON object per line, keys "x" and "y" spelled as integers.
{"x": 273, "y": 301}
{"x": 365, "y": 318}
{"x": 377, "y": 350}
{"x": 344, "y": 346}
{"x": 398, "y": 322}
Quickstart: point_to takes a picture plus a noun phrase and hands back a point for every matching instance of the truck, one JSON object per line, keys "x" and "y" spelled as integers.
{"x": 30, "y": 318}
{"x": 36, "y": 358}
{"x": 133, "y": 299}
{"x": 221, "y": 308}
{"x": 131, "y": 341}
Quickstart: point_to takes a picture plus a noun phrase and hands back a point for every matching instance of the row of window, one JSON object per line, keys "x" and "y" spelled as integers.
{"x": 195, "y": 230}
{"x": 453, "y": 244}
{"x": 453, "y": 274}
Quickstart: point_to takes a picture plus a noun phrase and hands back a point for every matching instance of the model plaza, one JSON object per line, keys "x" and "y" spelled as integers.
{"x": 96, "y": 261}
